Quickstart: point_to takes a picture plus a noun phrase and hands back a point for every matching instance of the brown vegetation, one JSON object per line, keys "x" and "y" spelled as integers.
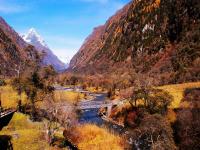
{"x": 187, "y": 125}
{"x": 156, "y": 38}
{"x": 93, "y": 137}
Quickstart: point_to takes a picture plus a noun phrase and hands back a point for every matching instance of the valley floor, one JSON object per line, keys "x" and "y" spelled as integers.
{"x": 25, "y": 134}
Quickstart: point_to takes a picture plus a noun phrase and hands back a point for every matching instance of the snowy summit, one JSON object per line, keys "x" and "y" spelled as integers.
{"x": 33, "y": 37}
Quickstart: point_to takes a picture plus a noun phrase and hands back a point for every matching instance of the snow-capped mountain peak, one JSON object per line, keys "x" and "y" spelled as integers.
{"x": 33, "y": 37}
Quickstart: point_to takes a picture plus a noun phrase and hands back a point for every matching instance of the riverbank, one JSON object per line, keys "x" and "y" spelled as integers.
{"x": 90, "y": 136}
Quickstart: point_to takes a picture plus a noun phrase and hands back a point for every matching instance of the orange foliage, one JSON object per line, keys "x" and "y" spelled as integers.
{"x": 154, "y": 5}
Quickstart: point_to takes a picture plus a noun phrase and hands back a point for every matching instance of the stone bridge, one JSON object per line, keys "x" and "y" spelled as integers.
{"x": 99, "y": 104}
{"x": 96, "y": 103}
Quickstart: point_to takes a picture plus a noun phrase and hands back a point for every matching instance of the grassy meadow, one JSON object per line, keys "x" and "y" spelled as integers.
{"x": 10, "y": 98}
{"x": 177, "y": 91}
{"x": 68, "y": 96}
{"x": 27, "y": 135}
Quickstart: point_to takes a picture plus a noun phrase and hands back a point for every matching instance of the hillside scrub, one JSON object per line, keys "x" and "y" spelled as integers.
{"x": 159, "y": 38}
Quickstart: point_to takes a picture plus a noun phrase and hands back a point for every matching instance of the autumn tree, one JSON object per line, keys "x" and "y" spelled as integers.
{"x": 158, "y": 101}
{"x": 31, "y": 81}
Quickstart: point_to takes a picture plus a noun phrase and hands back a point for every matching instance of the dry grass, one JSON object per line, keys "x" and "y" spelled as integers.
{"x": 9, "y": 97}
{"x": 25, "y": 134}
{"x": 69, "y": 96}
{"x": 177, "y": 90}
{"x": 94, "y": 89}
{"x": 95, "y": 138}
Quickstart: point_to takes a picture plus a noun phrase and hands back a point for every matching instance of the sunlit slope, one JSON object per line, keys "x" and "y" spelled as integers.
{"x": 177, "y": 91}
{"x": 25, "y": 134}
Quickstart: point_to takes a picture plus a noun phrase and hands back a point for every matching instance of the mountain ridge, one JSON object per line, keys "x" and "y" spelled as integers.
{"x": 13, "y": 50}
{"x": 33, "y": 38}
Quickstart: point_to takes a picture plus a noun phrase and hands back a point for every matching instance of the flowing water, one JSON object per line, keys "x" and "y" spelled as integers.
{"x": 91, "y": 115}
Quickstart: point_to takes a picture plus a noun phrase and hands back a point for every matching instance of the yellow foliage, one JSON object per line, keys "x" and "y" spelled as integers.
{"x": 9, "y": 97}
{"x": 69, "y": 96}
{"x": 177, "y": 91}
{"x": 91, "y": 89}
{"x": 94, "y": 89}
{"x": 96, "y": 138}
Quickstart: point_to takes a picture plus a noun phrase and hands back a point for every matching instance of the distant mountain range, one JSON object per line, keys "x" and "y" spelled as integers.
{"x": 33, "y": 38}
{"x": 155, "y": 37}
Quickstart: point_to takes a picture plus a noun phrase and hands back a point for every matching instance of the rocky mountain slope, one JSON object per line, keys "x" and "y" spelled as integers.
{"x": 13, "y": 50}
{"x": 86, "y": 59}
{"x": 33, "y": 38}
{"x": 155, "y": 37}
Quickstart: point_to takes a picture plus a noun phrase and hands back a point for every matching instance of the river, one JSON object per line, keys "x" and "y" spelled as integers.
{"x": 88, "y": 115}
{"x": 91, "y": 115}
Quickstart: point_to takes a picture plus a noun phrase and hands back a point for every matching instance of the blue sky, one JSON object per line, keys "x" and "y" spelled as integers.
{"x": 64, "y": 24}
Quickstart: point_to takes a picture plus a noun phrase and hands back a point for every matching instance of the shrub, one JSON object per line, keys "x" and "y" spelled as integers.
{"x": 159, "y": 101}
{"x": 2, "y": 82}
{"x": 153, "y": 132}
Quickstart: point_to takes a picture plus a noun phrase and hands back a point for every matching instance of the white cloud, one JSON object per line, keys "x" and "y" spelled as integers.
{"x": 64, "y": 40}
{"x": 63, "y": 47}
{"x": 65, "y": 54}
{"x": 10, "y": 7}
{"x": 96, "y": 1}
